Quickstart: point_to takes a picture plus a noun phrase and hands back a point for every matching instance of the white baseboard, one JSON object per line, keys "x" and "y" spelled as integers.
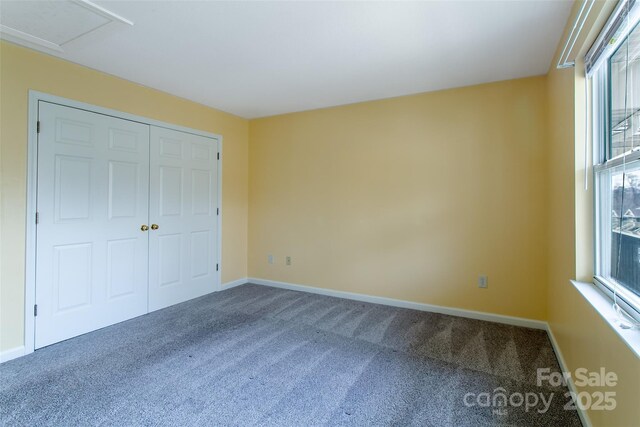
{"x": 584, "y": 417}
{"x": 234, "y": 283}
{"x": 11, "y": 354}
{"x": 479, "y": 315}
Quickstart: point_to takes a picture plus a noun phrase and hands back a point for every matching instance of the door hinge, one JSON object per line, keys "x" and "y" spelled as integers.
{"x": 217, "y": 211}
{"x": 217, "y": 267}
{"x": 37, "y": 217}
{"x": 218, "y": 156}
{"x": 38, "y": 127}
{"x": 35, "y": 310}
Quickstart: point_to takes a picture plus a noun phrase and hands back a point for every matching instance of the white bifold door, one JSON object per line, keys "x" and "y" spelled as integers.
{"x": 182, "y": 212}
{"x": 126, "y": 220}
{"x": 93, "y": 192}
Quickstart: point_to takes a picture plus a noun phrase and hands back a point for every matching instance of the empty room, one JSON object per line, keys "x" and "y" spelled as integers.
{"x": 318, "y": 213}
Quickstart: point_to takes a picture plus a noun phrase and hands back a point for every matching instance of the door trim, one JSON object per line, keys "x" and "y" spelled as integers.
{"x": 32, "y": 174}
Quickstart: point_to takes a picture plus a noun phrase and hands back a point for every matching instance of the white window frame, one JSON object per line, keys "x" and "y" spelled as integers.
{"x": 604, "y": 167}
{"x": 626, "y": 299}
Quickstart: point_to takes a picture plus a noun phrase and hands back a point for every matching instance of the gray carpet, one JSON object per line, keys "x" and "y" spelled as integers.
{"x": 255, "y": 355}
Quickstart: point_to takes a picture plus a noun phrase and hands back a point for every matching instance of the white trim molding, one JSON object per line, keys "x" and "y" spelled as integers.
{"x": 603, "y": 305}
{"x": 219, "y": 217}
{"x": 584, "y": 417}
{"x": 12, "y": 353}
{"x": 233, "y": 284}
{"x": 470, "y": 314}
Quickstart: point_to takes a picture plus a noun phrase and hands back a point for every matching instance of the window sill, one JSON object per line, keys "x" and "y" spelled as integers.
{"x": 604, "y": 306}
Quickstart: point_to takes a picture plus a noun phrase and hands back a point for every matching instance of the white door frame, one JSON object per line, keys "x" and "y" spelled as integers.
{"x": 32, "y": 174}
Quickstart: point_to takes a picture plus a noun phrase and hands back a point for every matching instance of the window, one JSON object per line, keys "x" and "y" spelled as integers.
{"x": 614, "y": 64}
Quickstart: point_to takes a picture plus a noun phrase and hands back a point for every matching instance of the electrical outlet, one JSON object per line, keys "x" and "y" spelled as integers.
{"x": 483, "y": 282}
{"x": 270, "y": 259}
{"x": 288, "y": 260}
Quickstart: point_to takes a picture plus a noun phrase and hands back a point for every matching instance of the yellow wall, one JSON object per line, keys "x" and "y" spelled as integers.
{"x": 584, "y": 338}
{"x": 21, "y": 70}
{"x": 409, "y": 198}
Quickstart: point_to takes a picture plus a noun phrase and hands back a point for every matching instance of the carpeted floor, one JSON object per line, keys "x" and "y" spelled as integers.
{"x": 255, "y": 355}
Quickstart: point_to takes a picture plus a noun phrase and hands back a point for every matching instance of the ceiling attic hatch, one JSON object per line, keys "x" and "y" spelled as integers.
{"x": 53, "y": 24}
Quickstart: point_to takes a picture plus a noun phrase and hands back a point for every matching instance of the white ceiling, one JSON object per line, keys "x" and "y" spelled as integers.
{"x": 258, "y": 59}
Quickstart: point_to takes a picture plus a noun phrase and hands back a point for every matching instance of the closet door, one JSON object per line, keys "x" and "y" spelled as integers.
{"x": 182, "y": 213}
{"x": 92, "y": 256}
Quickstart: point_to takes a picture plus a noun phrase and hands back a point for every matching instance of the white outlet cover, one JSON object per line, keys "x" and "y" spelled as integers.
{"x": 483, "y": 282}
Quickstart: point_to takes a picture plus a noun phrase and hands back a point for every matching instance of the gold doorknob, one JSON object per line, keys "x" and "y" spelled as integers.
{"x": 144, "y": 227}
{"x": 154, "y": 226}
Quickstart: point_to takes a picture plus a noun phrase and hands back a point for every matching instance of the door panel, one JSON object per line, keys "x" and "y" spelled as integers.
{"x": 201, "y": 202}
{"x": 170, "y": 259}
{"x": 182, "y": 202}
{"x": 92, "y": 257}
{"x": 121, "y": 268}
{"x": 123, "y": 191}
{"x": 71, "y": 274}
{"x": 200, "y": 253}
{"x": 170, "y": 189}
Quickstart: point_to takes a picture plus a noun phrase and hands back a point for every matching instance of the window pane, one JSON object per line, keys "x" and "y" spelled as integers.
{"x": 625, "y": 95}
{"x": 625, "y": 229}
